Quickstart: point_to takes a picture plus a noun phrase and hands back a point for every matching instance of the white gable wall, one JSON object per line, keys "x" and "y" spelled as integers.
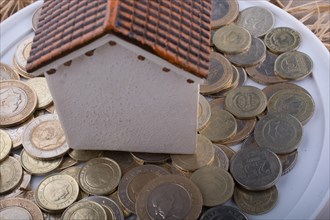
{"x": 114, "y": 101}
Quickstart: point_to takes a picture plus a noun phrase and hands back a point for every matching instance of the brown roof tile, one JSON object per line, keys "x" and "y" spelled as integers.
{"x": 176, "y": 30}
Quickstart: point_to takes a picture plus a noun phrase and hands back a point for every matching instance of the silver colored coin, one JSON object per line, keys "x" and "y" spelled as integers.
{"x": 254, "y": 55}
{"x": 257, "y": 20}
{"x": 256, "y": 169}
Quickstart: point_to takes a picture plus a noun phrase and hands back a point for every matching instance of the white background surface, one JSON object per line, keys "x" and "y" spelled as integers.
{"x": 305, "y": 190}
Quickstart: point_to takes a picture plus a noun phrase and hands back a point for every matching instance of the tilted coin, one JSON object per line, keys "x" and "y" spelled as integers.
{"x": 21, "y": 188}
{"x": 264, "y": 72}
{"x": 18, "y": 208}
{"x": 5, "y": 144}
{"x": 51, "y": 216}
{"x": 115, "y": 197}
{"x": 249, "y": 142}
{"x": 124, "y": 160}
{"x": 232, "y": 39}
{"x": 84, "y": 155}
{"x": 99, "y": 176}
{"x": 36, "y": 166}
{"x": 175, "y": 169}
{"x": 44, "y": 138}
{"x": 279, "y": 132}
{"x": 246, "y": 102}
{"x": 220, "y": 75}
{"x": 223, "y": 12}
{"x": 18, "y": 102}
{"x": 16, "y": 133}
{"x": 255, "y": 202}
{"x": 51, "y": 108}
{"x": 282, "y": 39}
{"x": 203, "y": 156}
{"x": 27, "y": 195}
{"x": 293, "y": 65}
{"x": 272, "y": 89}
{"x": 242, "y": 76}
{"x": 256, "y": 169}
{"x": 218, "y": 103}
{"x": 134, "y": 180}
{"x": 40, "y": 112}
{"x": 72, "y": 171}
{"x": 40, "y": 86}
{"x": 169, "y": 197}
{"x": 257, "y": 20}
{"x": 66, "y": 163}
{"x": 293, "y": 101}
{"x": 215, "y": 184}
{"x": 220, "y": 158}
{"x": 85, "y": 210}
{"x": 107, "y": 203}
{"x": 11, "y": 174}
{"x": 222, "y": 126}
{"x": 35, "y": 19}
{"x": 22, "y": 53}
{"x": 228, "y": 151}
{"x": 56, "y": 192}
{"x": 223, "y": 212}
{"x": 254, "y": 55}
{"x": 7, "y": 73}
{"x": 288, "y": 161}
{"x": 150, "y": 157}
{"x": 204, "y": 112}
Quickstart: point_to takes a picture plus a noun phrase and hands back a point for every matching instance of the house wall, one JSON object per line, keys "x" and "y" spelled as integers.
{"x": 115, "y": 101}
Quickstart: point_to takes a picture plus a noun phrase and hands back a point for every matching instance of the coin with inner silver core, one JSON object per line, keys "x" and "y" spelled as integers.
{"x": 270, "y": 90}
{"x": 223, "y": 12}
{"x": 256, "y": 169}
{"x": 220, "y": 158}
{"x": 22, "y": 53}
{"x": 282, "y": 39}
{"x": 85, "y": 210}
{"x": 107, "y": 203}
{"x": 223, "y": 212}
{"x": 7, "y": 73}
{"x": 19, "y": 208}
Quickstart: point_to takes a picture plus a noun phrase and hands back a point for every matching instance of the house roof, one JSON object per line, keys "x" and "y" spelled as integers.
{"x": 175, "y": 30}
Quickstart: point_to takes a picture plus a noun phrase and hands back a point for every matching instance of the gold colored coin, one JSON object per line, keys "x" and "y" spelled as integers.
{"x": 204, "y": 112}
{"x": 56, "y": 192}
{"x": 176, "y": 170}
{"x": 67, "y": 162}
{"x": 5, "y": 144}
{"x": 16, "y": 133}
{"x": 19, "y": 208}
{"x": 222, "y": 126}
{"x": 84, "y": 155}
{"x": 169, "y": 195}
{"x": 44, "y": 138}
{"x": 21, "y": 55}
{"x": 40, "y": 86}
{"x": 150, "y": 158}
{"x": 203, "y": 156}
{"x": 85, "y": 210}
{"x": 115, "y": 197}
{"x": 221, "y": 159}
{"x": 228, "y": 151}
{"x": 220, "y": 75}
{"x": 215, "y": 184}
{"x": 246, "y": 102}
{"x": 7, "y": 73}
{"x": 11, "y": 174}
{"x": 73, "y": 172}
{"x": 282, "y": 39}
{"x": 223, "y": 12}
{"x": 38, "y": 167}
{"x": 124, "y": 160}
{"x": 18, "y": 102}
{"x": 99, "y": 176}
{"x": 21, "y": 188}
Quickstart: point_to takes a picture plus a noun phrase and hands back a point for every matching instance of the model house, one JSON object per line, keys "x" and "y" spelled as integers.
{"x": 125, "y": 74}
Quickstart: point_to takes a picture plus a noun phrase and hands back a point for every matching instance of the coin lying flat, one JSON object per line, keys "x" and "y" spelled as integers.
{"x": 44, "y": 138}
{"x": 293, "y": 101}
{"x": 223, "y": 212}
{"x": 293, "y": 65}
{"x": 254, "y": 55}
{"x": 22, "y": 53}
{"x": 282, "y": 39}
{"x": 124, "y": 160}
{"x": 169, "y": 197}
{"x": 40, "y": 86}
{"x": 223, "y": 12}
{"x": 215, "y": 184}
{"x": 255, "y": 202}
{"x": 256, "y": 169}
{"x": 99, "y": 176}
{"x": 36, "y": 166}
{"x": 204, "y": 155}
{"x": 220, "y": 75}
{"x": 108, "y": 204}
{"x": 18, "y": 102}
{"x": 257, "y": 20}
{"x": 270, "y": 90}
{"x": 84, "y": 155}
{"x": 264, "y": 72}
{"x": 150, "y": 157}
{"x": 5, "y": 144}
{"x": 18, "y": 208}
{"x": 288, "y": 161}
{"x": 220, "y": 158}
{"x": 134, "y": 180}
{"x": 11, "y": 174}
{"x": 222, "y": 126}
{"x": 204, "y": 112}
{"x": 246, "y": 102}
{"x": 56, "y": 192}
{"x": 7, "y": 73}
{"x": 232, "y": 39}
{"x": 279, "y": 132}
{"x": 85, "y": 210}
{"x": 16, "y": 133}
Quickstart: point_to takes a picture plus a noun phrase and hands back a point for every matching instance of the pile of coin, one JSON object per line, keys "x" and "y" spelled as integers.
{"x": 81, "y": 184}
